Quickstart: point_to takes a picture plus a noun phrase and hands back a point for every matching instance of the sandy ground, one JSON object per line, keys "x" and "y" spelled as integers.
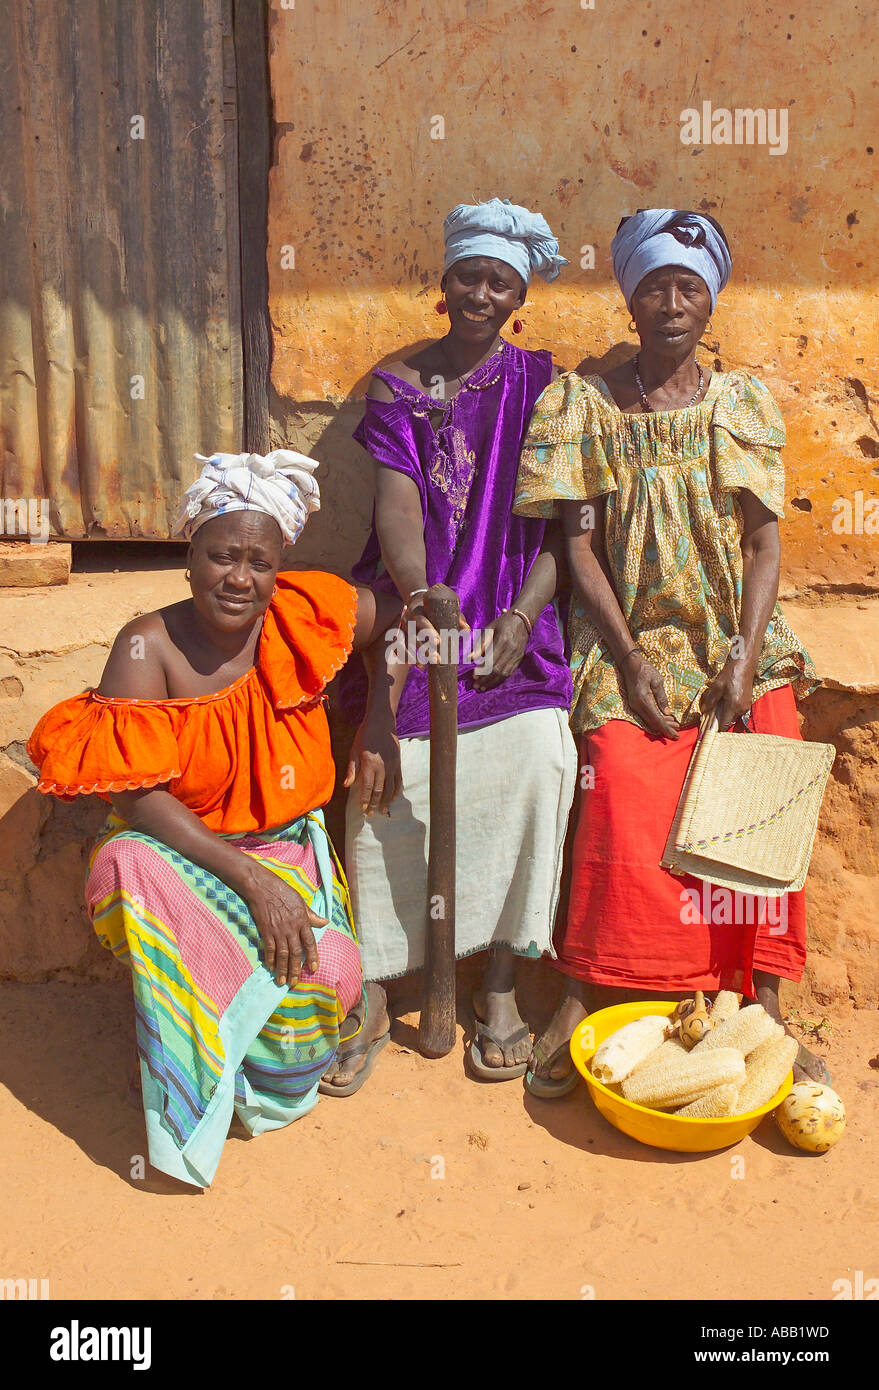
{"x": 425, "y": 1184}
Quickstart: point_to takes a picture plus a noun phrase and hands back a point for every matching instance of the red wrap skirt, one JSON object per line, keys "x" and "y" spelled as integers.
{"x": 632, "y": 924}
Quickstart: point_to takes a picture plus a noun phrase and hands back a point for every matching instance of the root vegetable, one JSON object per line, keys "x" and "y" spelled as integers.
{"x": 811, "y": 1117}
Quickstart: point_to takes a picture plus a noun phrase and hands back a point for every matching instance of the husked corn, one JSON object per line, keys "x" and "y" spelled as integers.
{"x": 620, "y": 1054}
{"x": 765, "y": 1069}
{"x": 744, "y": 1031}
{"x": 725, "y": 1005}
{"x": 719, "y": 1101}
{"x": 677, "y": 1080}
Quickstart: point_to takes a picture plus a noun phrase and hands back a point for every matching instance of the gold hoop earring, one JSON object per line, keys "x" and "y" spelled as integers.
{"x": 633, "y": 327}
{"x": 187, "y": 576}
{"x": 709, "y": 327}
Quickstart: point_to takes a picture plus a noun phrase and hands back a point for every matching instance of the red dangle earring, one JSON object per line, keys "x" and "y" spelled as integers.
{"x": 441, "y": 307}
{"x": 518, "y": 325}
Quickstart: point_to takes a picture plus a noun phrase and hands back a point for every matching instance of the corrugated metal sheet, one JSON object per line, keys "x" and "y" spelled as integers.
{"x": 120, "y": 340}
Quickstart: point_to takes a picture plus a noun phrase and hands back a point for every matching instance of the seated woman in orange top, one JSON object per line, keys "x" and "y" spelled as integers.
{"x": 214, "y": 876}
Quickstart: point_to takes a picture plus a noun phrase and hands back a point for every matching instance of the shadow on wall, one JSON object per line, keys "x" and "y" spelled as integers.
{"x": 335, "y": 537}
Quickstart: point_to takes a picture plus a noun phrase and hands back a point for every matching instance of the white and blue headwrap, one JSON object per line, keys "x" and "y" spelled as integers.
{"x": 280, "y": 484}
{"x": 505, "y": 231}
{"x": 662, "y": 236}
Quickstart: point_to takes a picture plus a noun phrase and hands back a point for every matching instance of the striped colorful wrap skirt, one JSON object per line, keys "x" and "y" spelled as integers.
{"x": 215, "y": 1034}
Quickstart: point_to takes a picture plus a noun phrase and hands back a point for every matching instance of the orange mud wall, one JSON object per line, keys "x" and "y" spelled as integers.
{"x": 387, "y": 115}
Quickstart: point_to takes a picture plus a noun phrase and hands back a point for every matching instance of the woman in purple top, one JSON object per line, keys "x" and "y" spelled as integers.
{"x": 444, "y": 427}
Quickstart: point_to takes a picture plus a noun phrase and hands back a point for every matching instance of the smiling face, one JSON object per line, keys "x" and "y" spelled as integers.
{"x": 481, "y": 293}
{"x": 233, "y": 561}
{"x": 671, "y": 307}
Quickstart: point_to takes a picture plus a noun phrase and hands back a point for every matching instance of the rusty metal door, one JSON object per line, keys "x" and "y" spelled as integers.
{"x": 120, "y": 290}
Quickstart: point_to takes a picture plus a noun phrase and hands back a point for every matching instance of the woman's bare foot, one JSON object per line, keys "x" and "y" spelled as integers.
{"x": 571, "y": 1011}
{"x": 807, "y": 1066}
{"x": 345, "y": 1066}
{"x": 494, "y": 1004}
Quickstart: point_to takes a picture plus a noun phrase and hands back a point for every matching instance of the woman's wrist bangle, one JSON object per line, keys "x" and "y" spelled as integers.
{"x": 525, "y": 619}
{"x": 627, "y": 654}
{"x": 407, "y": 606}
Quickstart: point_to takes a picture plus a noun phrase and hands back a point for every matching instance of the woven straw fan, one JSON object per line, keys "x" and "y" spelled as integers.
{"x": 749, "y": 809}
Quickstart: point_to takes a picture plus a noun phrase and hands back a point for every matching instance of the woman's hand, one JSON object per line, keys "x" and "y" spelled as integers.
{"x": 284, "y": 921}
{"x": 731, "y": 693}
{"x": 645, "y": 693}
{"x": 375, "y": 759}
{"x": 500, "y": 646}
{"x": 427, "y": 640}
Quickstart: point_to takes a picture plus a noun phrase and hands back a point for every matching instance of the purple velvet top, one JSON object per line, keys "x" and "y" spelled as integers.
{"x": 465, "y": 471}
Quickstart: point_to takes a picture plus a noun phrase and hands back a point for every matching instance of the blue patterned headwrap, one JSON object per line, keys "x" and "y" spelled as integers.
{"x": 509, "y": 233}
{"x": 658, "y": 237}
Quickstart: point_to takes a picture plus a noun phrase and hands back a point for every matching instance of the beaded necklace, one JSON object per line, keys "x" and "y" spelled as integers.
{"x": 645, "y": 404}
{"x": 464, "y": 383}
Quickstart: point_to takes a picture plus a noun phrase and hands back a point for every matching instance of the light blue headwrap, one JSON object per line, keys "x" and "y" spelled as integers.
{"x": 509, "y": 233}
{"x": 662, "y": 236}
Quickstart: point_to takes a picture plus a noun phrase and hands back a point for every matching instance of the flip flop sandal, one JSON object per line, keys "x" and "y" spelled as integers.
{"x": 546, "y": 1087}
{"x": 368, "y": 1050}
{"x": 477, "y": 1062}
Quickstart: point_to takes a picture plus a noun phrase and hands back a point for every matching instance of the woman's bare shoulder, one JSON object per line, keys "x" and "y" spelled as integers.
{"x": 418, "y": 369}
{"x": 378, "y": 389}
{"x": 137, "y": 665}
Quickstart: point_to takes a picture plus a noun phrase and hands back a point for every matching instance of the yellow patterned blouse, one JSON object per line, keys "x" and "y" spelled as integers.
{"x": 673, "y": 531}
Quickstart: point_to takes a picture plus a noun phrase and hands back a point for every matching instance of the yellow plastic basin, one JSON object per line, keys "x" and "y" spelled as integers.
{"x": 655, "y": 1127}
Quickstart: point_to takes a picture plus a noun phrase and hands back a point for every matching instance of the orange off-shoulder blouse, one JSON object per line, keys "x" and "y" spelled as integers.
{"x": 253, "y": 756}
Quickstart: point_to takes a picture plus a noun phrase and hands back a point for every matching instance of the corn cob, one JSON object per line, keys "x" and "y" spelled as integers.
{"x": 719, "y": 1101}
{"x": 725, "y": 1006}
{"x": 765, "y": 1069}
{"x": 676, "y": 1081}
{"x": 620, "y": 1054}
{"x": 744, "y": 1031}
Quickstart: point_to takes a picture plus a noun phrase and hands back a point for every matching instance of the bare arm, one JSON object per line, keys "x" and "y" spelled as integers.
{"x": 399, "y": 524}
{"x": 731, "y": 691}
{"x": 400, "y": 527}
{"x": 590, "y": 580}
{"x": 377, "y": 613}
{"x": 761, "y": 556}
{"x": 375, "y": 752}
{"x": 542, "y": 584}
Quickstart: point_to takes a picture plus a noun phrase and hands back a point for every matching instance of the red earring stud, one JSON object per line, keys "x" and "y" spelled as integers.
{"x": 440, "y": 306}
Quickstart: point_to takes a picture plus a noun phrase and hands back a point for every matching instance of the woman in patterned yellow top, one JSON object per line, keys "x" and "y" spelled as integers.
{"x": 669, "y": 482}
